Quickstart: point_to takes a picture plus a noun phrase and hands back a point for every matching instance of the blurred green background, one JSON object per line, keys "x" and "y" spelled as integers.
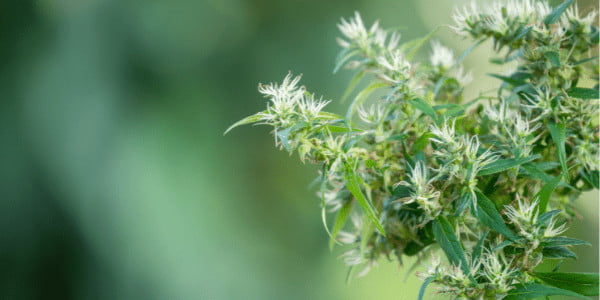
{"x": 117, "y": 181}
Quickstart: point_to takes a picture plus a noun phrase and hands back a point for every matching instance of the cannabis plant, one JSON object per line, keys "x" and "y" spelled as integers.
{"x": 414, "y": 167}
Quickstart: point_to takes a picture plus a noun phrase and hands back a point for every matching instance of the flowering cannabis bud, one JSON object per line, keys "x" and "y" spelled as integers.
{"x": 489, "y": 181}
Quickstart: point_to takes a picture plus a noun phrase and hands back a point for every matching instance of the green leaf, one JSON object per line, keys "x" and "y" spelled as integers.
{"x": 352, "y": 85}
{"x": 505, "y": 164}
{"x": 285, "y": 134}
{"x": 422, "y": 142}
{"x": 558, "y": 133}
{"x": 343, "y": 129}
{"x": 555, "y": 14}
{"x": 423, "y": 106}
{"x": 591, "y": 177}
{"x": 458, "y": 61}
{"x": 562, "y": 241}
{"x": 558, "y": 252}
{"x": 340, "y": 220}
{"x": 547, "y": 216}
{"x": 478, "y": 249}
{"x": 489, "y": 216}
{"x": 416, "y": 44}
{"x": 353, "y": 185}
{"x": 342, "y": 58}
{"x": 424, "y": 287}
{"x": 585, "y": 60}
{"x": 362, "y": 96}
{"x": 582, "y": 283}
{"x": 544, "y": 194}
{"x": 512, "y": 80}
{"x": 247, "y": 120}
{"x": 553, "y": 57}
{"x": 583, "y": 93}
{"x": 445, "y": 236}
{"x": 534, "y": 290}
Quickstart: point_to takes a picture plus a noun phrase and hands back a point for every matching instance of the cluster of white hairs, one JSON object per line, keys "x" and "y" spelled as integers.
{"x": 500, "y": 16}
{"x": 488, "y": 181}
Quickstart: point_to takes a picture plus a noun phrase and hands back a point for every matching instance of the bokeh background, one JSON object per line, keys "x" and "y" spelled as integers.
{"x": 116, "y": 180}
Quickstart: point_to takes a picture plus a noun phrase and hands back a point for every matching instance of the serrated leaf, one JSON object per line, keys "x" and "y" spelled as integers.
{"x": 423, "y": 106}
{"x": 362, "y": 96}
{"x": 583, "y": 93}
{"x": 553, "y": 57}
{"x": 340, "y": 221}
{"x": 446, "y": 238}
{"x": 557, "y": 12}
{"x": 489, "y": 216}
{"x": 247, "y": 120}
{"x": 558, "y": 133}
{"x": 534, "y": 290}
{"x": 582, "y": 283}
{"x": 558, "y": 252}
{"x": 505, "y": 164}
{"x": 424, "y": 287}
{"x": 544, "y": 194}
{"x": 353, "y": 185}
{"x": 562, "y": 241}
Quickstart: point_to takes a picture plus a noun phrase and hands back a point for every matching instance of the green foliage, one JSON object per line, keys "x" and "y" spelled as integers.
{"x": 582, "y": 283}
{"x": 490, "y": 181}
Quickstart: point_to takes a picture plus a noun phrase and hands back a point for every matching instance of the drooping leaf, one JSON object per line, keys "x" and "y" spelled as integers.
{"x": 535, "y": 290}
{"x": 583, "y": 93}
{"x": 340, "y": 221}
{"x": 424, "y": 287}
{"x": 446, "y": 238}
{"x": 557, "y": 12}
{"x": 505, "y": 164}
{"x": 353, "y": 185}
{"x": 544, "y": 194}
{"x": 247, "y": 120}
{"x": 489, "y": 215}
{"x": 558, "y": 133}
{"x": 582, "y": 283}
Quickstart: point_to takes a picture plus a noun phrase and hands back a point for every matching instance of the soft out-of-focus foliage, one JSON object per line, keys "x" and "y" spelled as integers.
{"x": 116, "y": 180}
